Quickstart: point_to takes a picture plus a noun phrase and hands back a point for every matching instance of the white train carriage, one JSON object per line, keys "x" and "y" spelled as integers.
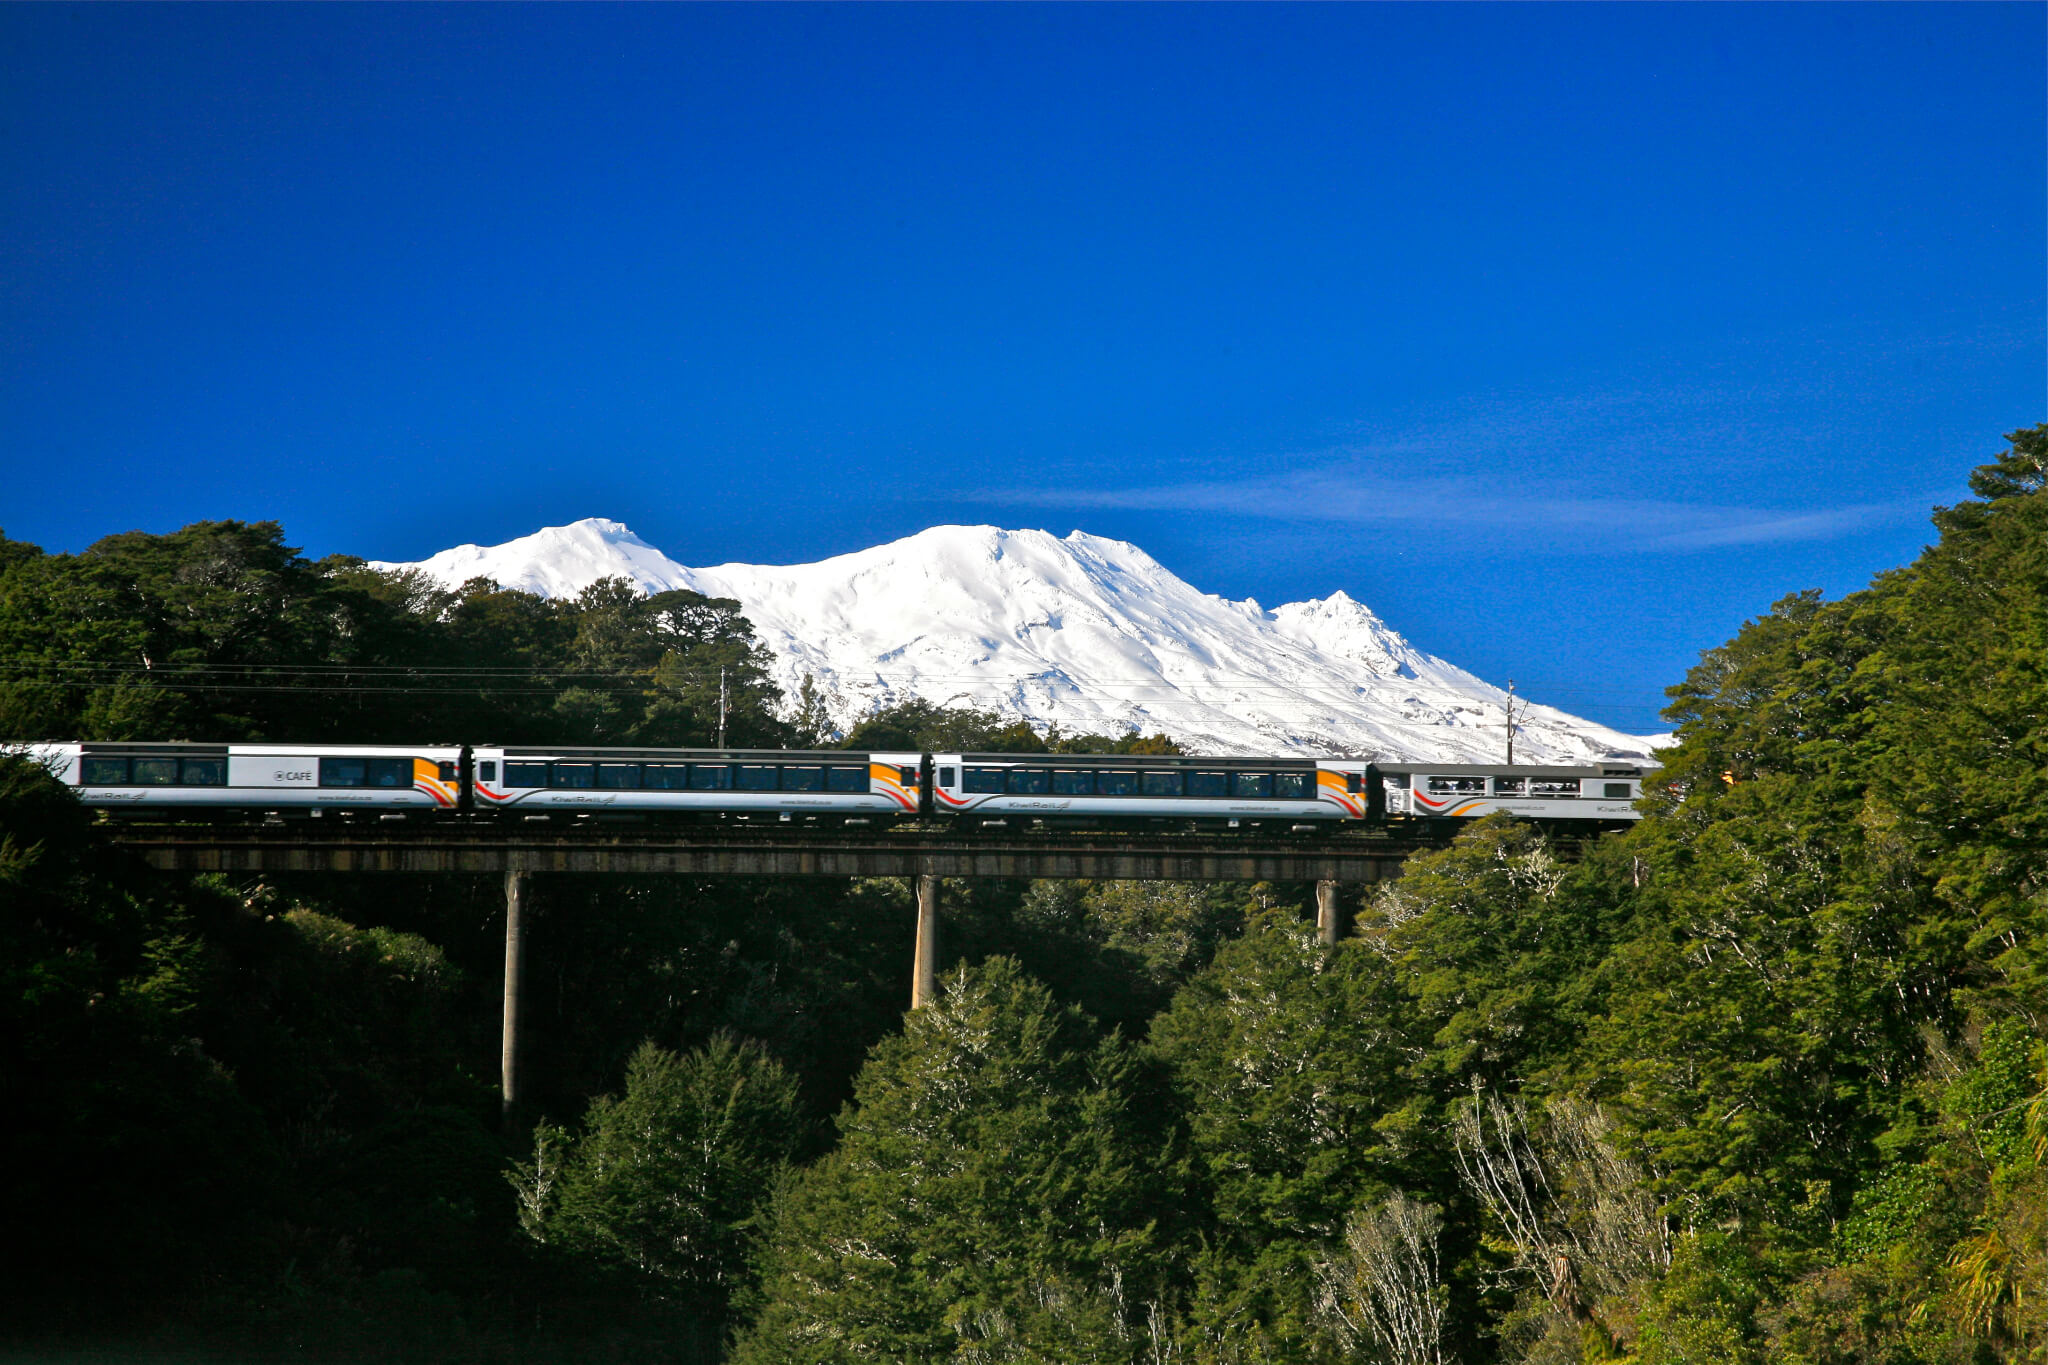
{"x": 1469, "y": 790}
{"x": 181, "y": 779}
{"x": 738, "y": 784}
{"x": 1074, "y": 790}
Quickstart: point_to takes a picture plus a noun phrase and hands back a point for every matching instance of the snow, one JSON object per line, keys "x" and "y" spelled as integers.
{"x": 1082, "y": 632}
{"x": 557, "y": 561}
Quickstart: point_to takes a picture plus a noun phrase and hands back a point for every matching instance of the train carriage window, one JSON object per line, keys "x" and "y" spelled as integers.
{"x": 909, "y": 776}
{"x": 1457, "y": 786}
{"x": 202, "y": 772}
{"x": 1117, "y": 784}
{"x": 1030, "y": 781}
{"x": 618, "y": 776}
{"x": 1510, "y": 786}
{"x": 1353, "y": 783}
{"x": 525, "y": 774}
{"x": 390, "y": 772}
{"x": 156, "y": 772}
{"x": 1161, "y": 784}
{"x": 803, "y": 779}
{"x": 445, "y": 771}
{"x": 339, "y": 772}
{"x": 1294, "y": 786}
{"x": 1208, "y": 784}
{"x": 487, "y": 771}
{"x": 665, "y": 777}
{"x": 1066, "y": 782}
{"x": 1552, "y": 788}
{"x": 948, "y": 776}
{"x": 1251, "y": 784}
{"x": 1617, "y": 791}
{"x": 710, "y": 777}
{"x": 575, "y": 776}
{"x": 846, "y": 779}
{"x": 985, "y": 781}
{"x": 754, "y": 777}
{"x": 104, "y": 772}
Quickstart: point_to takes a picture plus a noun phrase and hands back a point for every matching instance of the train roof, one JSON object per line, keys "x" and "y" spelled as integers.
{"x": 597, "y": 753}
{"x": 198, "y": 748}
{"x": 1618, "y": 768}
{"x": 1140, "y": 760}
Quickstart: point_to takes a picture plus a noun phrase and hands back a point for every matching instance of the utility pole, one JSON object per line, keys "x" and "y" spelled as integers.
{"x": 1511, "y": 722}
{"x": 721, "y": 706}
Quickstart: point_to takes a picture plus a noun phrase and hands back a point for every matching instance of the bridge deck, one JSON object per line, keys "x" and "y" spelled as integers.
{"x": 1354, "y": 856}
{"x": 720, "y": 852}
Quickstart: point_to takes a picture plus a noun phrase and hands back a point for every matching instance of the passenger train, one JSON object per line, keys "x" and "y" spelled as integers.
{"x": 567, "y": 785}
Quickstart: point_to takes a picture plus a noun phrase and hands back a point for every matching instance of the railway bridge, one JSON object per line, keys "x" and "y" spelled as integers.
{"x": 736, "y": 850}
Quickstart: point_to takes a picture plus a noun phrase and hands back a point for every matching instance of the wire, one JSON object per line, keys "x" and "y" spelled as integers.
{"x": 470, "y": 680}
{"x": 1250, "y": 682}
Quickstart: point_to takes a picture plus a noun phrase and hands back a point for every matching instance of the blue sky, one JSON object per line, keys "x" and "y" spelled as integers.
{"x": 1566, "y": 337}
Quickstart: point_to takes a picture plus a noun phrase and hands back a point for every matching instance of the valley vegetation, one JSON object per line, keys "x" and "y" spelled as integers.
{"x": 1761, "y": 1080}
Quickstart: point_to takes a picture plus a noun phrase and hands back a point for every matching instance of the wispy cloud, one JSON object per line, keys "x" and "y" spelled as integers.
{"x": 1539, "y": 454}
{"x": 1364, "y": 499}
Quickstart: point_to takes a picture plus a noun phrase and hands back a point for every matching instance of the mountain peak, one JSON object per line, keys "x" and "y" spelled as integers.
{"x": 603, "y": 526}
{"x": 557, "y": 561}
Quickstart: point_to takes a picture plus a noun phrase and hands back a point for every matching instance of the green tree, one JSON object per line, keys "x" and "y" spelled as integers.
{"x": 1130, "y": 742}
{"x": 1287, "y": 1057}
{"x": 666, "y": 1179}
{"x": 183, "y": 633}
{"x": 992, "y": 1196}
{"x": 649, "y": 669}
{"x": 810, "y": 720}
{"x": 1843, "y": 851}
{"x": 1499, "y": 935}
{"x": 918, "y": 724}
{"x": 1120, "y": 949}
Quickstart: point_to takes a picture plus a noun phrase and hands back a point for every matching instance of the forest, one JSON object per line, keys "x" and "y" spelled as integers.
{"x": 1763, "y": 1079}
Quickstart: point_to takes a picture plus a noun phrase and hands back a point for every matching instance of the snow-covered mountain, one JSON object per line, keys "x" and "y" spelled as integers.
{"x": 1085, "y": 633}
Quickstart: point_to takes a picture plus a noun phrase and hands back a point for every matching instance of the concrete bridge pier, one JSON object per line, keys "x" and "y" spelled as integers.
{"x": 924, "y": 972}
{"x": 516, "y": 888}
{"x": 1329, "y": 918}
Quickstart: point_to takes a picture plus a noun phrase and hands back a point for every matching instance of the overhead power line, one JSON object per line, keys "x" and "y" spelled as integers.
{"x": 162, "y": 672}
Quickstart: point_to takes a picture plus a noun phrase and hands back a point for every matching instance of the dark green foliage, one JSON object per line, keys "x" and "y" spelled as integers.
{"x": 1119, "y": 950}
{"x": 1498, "y": 936}
{"x": 665, "y": 1179}
{"x": 1130, "y": 742}
{"x": 1286, "y": 1058}
{"x": 812, "y": 969}
{"x": 1943, "y": 1246}
{"x": 210, "y": 1088}
{"x": 670, "y": 651}
{"x": 221, "y": 631}
{"x": 991, "y": 1195}
{"x": 1849, "y": 850}
{"x": 922, "y": 726}
{"x": 130, "y": 1157}
{"x": 918, "y": 725}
